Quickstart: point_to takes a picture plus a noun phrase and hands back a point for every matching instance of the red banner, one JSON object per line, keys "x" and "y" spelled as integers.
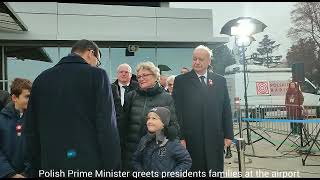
{"x": 262, "y": 88}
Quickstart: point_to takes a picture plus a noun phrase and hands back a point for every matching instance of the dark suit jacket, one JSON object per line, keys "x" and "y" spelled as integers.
{"x": 204, "y": 114}
{"x": 70, "y": 120}
{"x": 134, "y": 85}
{"x": 117, "y": 101}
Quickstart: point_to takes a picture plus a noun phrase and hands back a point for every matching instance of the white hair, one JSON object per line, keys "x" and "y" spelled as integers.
{"x": 206, "y": 49}
{"x": 171, "y": 78}
{"x": 125, "y": 65}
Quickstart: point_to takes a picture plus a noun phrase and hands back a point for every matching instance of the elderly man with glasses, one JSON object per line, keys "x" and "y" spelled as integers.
{"x": 71, "y": 120}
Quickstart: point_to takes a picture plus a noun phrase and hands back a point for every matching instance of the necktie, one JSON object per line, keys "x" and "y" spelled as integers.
{"x": 126, "y": 88}
{"x": 202, "y": 81}
{"x": 122, "y": 93}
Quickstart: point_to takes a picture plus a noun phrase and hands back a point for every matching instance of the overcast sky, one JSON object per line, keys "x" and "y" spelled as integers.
{"x": 276, "y": 15}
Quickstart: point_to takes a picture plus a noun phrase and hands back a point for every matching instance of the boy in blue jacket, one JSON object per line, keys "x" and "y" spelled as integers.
{"x": 157, "y": 153}
{"x": 12, "y": 148}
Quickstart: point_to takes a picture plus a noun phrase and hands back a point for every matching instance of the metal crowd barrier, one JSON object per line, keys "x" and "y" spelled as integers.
{"x": 289, "y": 112}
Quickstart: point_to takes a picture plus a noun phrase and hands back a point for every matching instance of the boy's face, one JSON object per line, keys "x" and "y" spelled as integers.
{"x": 154, "y": 123}
{"x": 21, "y": 102}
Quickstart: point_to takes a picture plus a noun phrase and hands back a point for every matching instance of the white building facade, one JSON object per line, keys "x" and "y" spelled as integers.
{"x": 164, "y": 35}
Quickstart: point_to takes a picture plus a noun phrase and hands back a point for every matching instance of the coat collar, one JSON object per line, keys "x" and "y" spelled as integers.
{"x": 72, "y": 58}
{"x": 156, "y": 89}
{"x": 195, "y": 80}
{"x": 11, "y": 111}
{"x": 116, "y": 82}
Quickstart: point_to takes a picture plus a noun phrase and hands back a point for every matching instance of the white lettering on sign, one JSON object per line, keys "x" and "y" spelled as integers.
{"x": 278, "y": 88}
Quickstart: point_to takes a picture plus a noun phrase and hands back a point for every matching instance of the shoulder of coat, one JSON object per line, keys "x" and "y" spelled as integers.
{"x": 173, "y": 144}
{"x": 183, "y": 76}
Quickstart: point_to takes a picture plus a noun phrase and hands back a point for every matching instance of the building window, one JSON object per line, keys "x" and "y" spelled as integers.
{"x": 30, "y": 69}
{"x": 175, "y": 59}
{"x": 117, "y": 57}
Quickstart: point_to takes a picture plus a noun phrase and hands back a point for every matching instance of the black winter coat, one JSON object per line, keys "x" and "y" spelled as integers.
{"x": 205, "y": 118}
{"x": 117, "y": 96}
{"x": 133, "y": 121}
{"x": 71, "y": 120}
{"x": 117, "y": 101}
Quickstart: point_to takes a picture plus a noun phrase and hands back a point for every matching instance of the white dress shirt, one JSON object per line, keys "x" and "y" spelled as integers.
{"x": 122, "y": 91}
{"x": 205, "y": 77}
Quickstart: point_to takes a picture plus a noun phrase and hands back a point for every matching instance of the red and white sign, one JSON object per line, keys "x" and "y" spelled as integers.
{"x": 278, "y": 88}
{"x": 262, "y": 88}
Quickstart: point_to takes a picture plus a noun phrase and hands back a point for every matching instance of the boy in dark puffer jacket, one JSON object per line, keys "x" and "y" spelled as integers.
{"x": 13, "y": 163}
{"x": 157, "y": 153}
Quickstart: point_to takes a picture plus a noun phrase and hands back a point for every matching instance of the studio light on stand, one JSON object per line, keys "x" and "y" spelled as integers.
{"x": 242, "y": 29}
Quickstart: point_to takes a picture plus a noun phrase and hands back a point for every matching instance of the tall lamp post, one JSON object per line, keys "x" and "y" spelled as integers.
{"x": 242, "y": 29}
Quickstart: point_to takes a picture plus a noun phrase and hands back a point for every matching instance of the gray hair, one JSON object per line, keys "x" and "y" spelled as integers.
{"x": 206, "y": 49}
{"x": 126, "y": 65}
{"x": 171, "y": 78}
{"x": 149, "y": 66}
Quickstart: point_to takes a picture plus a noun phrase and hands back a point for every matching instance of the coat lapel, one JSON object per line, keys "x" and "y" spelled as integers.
{"x": 212, "y": 86}
{"x": 194, "y": 79}
{"x": 200, "y": 88}
{"x": 211, "y": 80}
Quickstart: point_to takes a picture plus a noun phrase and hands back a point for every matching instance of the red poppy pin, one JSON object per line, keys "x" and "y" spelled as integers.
{"x": 18, "y": 129}
{"x": 210, "y": 82}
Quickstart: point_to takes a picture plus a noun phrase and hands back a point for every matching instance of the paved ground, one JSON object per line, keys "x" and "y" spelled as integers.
{"x": 269, "y": 162}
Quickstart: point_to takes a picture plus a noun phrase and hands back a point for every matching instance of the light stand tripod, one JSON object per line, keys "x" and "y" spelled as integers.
{"x": 243, "y": 28}
{"x": 249, "y": 130}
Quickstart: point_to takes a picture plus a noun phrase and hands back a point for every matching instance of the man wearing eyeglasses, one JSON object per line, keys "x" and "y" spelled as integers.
{"x": 71, "y": 120}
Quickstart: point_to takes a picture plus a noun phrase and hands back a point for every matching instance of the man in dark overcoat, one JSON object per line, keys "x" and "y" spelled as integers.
{"x": 203, "y": 110}
{"x": 70, "y": 120}
{"x": 122, "y": 86}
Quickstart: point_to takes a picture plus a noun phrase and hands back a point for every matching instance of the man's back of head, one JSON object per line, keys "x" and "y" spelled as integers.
{"x": 184, "y": 70}
{"x": 83, "y": 45}
{"x": 88, "y": 50}
{"x": 4, "y": 98}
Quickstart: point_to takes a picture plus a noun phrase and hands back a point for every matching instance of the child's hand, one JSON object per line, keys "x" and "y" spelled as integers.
{"x": 183, "y": 142}
{"x": 227, "y": 142}
{"x": 18, "y": 176}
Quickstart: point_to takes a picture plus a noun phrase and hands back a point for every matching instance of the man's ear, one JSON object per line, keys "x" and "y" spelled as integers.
{"x": 88, "y": 54}
{"x": 14, "y": 98}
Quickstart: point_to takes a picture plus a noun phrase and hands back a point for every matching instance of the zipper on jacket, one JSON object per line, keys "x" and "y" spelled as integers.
{"x": 144, "y": 106}
{"x": 142, "y": 128}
